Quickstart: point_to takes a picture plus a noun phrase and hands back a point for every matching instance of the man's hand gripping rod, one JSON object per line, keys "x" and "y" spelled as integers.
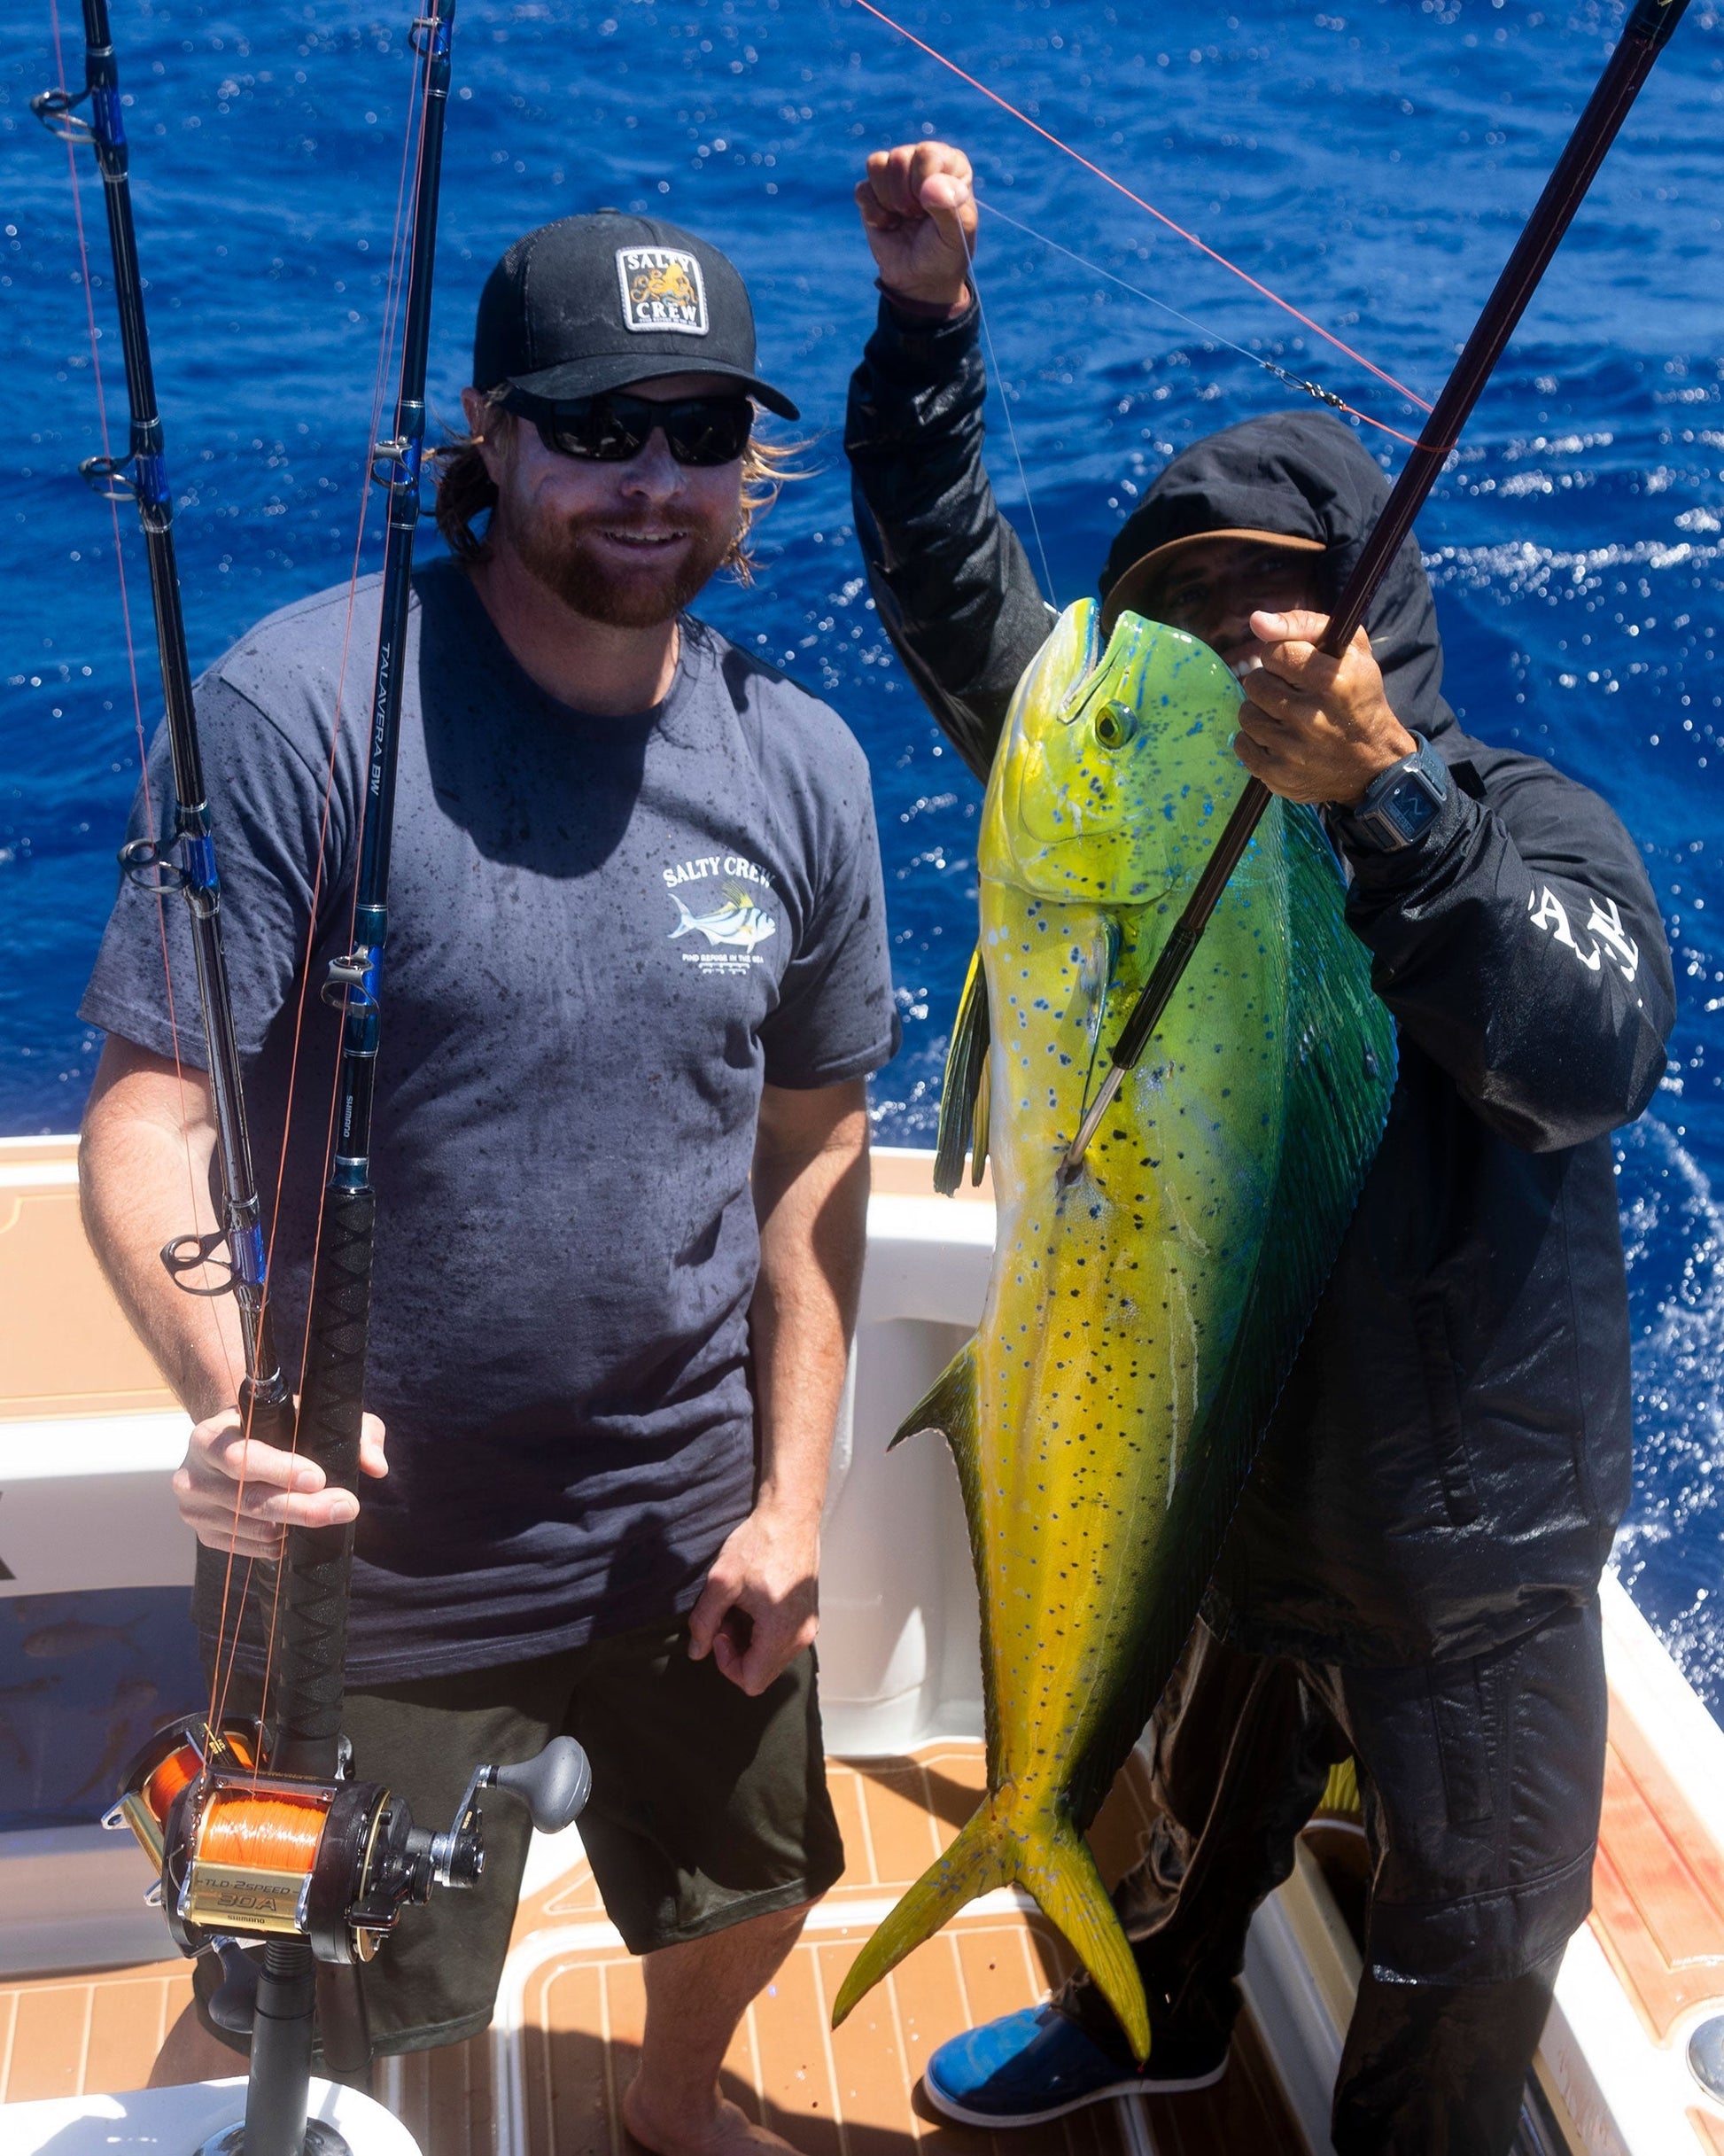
{"x": 1644, "y": 35}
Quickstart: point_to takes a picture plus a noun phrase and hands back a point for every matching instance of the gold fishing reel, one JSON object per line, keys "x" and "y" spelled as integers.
{"x": 245, "y": 1854}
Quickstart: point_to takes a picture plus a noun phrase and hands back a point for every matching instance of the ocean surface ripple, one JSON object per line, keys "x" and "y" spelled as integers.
{"x": 1374, "y": 164}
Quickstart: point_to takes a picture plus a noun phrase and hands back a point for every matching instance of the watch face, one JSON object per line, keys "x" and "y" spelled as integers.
{"x": 1410, "y": 806}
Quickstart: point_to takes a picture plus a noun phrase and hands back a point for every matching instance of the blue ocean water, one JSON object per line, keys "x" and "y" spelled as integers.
{"x": 1372, "y": 164}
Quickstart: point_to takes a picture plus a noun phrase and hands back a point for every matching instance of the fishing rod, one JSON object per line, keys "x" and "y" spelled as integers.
{"x": 1644, "y": 35}
{"x": 303, "y": 1733}
{"x": 186, "y": 862}
{"x": 306, "y": 1709}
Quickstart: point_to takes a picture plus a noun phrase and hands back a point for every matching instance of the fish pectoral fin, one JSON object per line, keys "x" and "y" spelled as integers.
{"x": 1088, "y": 1006}
{"x": 963, "y": 1103}
{"x": 1041, "y": 1849}
{"x": 947, "y": 1407}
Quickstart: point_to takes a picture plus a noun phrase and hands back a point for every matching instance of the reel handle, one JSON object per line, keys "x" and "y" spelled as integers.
{"x": 555, "y": 1785}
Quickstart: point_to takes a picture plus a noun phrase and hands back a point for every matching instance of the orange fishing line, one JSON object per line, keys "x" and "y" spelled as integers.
{"x": 261, "y": 1833}
{"x": 177, "y": 1771}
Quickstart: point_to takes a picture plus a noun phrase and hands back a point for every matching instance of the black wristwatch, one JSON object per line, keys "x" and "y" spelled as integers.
{"x": 1400, "y": 804}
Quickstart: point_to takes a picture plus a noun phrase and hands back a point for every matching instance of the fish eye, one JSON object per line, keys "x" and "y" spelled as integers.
{"x": 1115, "y": 724}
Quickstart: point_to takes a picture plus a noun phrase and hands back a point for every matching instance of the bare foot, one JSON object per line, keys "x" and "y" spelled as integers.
{"x": 724, "y": 2131}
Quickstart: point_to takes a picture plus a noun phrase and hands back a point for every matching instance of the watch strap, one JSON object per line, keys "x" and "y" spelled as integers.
{"x": 1401, "y": 803}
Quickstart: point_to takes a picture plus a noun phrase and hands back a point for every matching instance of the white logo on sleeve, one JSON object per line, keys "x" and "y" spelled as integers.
{"x": 1604, "y": 926}
{"x": 729, "y": 912}
{"x": 663, "y": 289}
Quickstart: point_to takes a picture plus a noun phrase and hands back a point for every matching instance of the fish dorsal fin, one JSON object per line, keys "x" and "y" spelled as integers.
{"x": 963, "y": 1094}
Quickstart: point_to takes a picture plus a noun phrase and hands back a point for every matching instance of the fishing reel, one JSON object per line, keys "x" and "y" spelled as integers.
{"x": 245, "y": 1854}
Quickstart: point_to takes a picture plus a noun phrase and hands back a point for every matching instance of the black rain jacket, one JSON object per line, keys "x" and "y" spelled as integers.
{"x": 1448, "y": 1462}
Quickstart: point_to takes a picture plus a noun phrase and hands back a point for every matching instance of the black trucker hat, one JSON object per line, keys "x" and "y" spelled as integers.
{"x": 595, "y": 303}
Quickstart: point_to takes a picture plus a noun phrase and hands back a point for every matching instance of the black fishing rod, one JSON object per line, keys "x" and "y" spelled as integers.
{"x": 306, "y": 1709}
{"x": 186, "y": 862}
{"x": 303, "y": 1727}
{"x": 1644, "y": 35}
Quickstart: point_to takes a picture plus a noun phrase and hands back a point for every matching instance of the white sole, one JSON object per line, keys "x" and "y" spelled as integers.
{"x": 1135, "y": 2084}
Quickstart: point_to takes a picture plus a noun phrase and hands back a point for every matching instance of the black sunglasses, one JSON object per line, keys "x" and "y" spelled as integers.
{"x": 612, "y": 428}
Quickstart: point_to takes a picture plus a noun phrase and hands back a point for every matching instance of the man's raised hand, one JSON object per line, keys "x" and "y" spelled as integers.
{"x": 239, "y": 1493}
{"x": 919, "y": 210}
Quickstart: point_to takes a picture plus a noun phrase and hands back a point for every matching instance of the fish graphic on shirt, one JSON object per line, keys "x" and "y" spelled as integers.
{"x": 739, "y": 921}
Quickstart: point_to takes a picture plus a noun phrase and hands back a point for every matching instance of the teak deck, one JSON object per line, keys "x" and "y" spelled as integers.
{"x": 547, "y": 2081}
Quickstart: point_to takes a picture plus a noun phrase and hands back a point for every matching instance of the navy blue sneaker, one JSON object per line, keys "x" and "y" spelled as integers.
{"x": 1036, "y": 2065}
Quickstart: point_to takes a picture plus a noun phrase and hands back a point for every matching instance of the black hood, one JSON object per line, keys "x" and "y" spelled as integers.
{"x": 1303, "y": 474}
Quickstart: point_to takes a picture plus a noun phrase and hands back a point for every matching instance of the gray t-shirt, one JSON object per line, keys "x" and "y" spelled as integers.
{"x": 605, "y": 935}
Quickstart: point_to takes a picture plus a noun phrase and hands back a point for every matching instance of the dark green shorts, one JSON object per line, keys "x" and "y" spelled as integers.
{"x": 707, "y": 1808}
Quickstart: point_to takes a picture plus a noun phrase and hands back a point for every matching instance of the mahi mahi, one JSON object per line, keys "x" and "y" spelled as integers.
{"x": 1141, "y": 1319}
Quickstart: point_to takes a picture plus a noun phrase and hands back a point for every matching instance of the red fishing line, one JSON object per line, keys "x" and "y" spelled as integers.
{"x": 1283, "y": 374}
{"x": 1160, "y": 216}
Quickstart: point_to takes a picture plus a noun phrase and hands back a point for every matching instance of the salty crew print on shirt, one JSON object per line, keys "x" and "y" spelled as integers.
{"x": 733, "y": 920}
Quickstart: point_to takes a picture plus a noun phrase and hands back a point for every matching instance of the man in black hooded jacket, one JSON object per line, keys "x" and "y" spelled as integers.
{"x": 1411, "y": 1577}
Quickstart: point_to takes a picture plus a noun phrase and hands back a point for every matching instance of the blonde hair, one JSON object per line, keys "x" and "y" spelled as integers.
{"x": 465, "y": 489}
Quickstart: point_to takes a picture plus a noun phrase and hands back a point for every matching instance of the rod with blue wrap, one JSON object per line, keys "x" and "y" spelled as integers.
{"x": 1648, "y": 30}
{"x": 184, "y": 862}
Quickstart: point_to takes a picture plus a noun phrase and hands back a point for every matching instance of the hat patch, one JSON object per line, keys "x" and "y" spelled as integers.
{"x": 662, "y": 290}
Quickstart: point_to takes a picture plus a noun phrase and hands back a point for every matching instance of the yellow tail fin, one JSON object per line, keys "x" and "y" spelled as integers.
{"x": 1041, "y": 1851}
{"x": 1340, "y": 1792}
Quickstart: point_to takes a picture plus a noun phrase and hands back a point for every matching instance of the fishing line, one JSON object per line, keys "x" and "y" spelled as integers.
{"x": 250, "y": 1833}
{"x": 1160, "y": 216}
{"x": 393, "y": 290}
{"x": 1011, "y": 429}
{"x": 1281, "y": 374}
{"x": 315, "y": 1590}
{"x": 392, "y": 295}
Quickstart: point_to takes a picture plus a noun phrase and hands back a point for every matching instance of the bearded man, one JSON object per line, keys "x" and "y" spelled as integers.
{"x": 638, "y": 976}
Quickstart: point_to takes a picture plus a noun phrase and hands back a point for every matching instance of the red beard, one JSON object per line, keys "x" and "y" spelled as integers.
{"x": 559, "y": 552}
